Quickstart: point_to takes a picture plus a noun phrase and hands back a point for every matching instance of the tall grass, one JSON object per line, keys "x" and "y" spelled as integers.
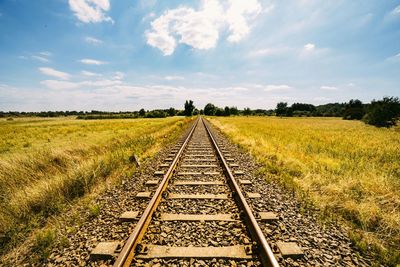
{"x": 349, "y": 170}
{"x": 65, "y": 159}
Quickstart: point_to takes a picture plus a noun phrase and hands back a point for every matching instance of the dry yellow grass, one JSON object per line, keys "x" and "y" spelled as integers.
{"x": 348, "y": 169}
{"x": 47, "y": 163}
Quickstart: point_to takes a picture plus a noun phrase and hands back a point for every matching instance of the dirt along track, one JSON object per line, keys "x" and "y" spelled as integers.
{"x": 199, "y": 219}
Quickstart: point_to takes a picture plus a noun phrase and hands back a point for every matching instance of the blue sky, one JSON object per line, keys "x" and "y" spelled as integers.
{"x": 126, "y": 54}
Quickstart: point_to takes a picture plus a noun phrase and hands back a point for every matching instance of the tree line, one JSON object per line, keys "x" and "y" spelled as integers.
{"x": 381, "y": 113}
{"x": 96, "y": 114}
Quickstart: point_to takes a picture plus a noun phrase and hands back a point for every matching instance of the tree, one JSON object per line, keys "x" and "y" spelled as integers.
{"x": 219, "y": 112}
{"x": 142, "y": 112}
{"x": 330, "y": 110}
{"x": 247, "y": 112}
{"x": 281, "y": 109}
{"x": 196, "y": 112}
{"x": 209, "y": 110}
{"x": 383, "y": 113}
{"x": 189, "y": 108}
{"x": 227, "y": 111}
{"x": 171, "y": 112}
{"x": 234, "y": 111}
{"x": 354, "y": 110}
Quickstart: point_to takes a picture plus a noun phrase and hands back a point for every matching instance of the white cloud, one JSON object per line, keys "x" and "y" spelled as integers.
{"x": 88, "y": 61}
{"x": 90, "y": 11}
{"x": 282, "y": 87}
{"x": 266, "y": 52}
{"x": 268, "y": 9}
{"x": 40, "y": 58}
{"x": 118, "y": 75}
{"x": 59, "y": 85}
{"x": 65, "y": 85}
{"x": 92, "y": 40}
{"x": 321, "y": 99}
{"x": 351, "y": 84}
{"x": 309, "y": 47}
{"x": 328, "y": 88}
{"x": 90, "y": 74}
{"x": 46, "y": 53}
{"x": 54, "y": 73}
{"x": 174, "y": 78}
{"x": 311, "y": 50}
{"x": 395, "y": 58}
{"x": 238, "y": 15}
{"x": 201, "y": 28}
{"x": 396, "y": 11}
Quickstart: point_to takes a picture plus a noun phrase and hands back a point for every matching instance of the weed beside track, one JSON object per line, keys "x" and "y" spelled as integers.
{"x": 47, "y": 163}
{"x": 349, "y": 170}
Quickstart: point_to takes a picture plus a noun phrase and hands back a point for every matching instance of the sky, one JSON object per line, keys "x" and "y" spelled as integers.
{"x": 120, "y": 55}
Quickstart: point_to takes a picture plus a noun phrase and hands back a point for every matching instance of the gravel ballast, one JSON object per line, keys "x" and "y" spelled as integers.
{"x": 323, "y": 245}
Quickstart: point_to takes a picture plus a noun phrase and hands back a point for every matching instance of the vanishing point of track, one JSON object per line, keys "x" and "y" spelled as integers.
{"x": 198, "y": 173}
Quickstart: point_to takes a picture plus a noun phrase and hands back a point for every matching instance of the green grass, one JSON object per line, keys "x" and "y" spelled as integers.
{"x": 351, "y": 171}
{"x": 46, "y": 164}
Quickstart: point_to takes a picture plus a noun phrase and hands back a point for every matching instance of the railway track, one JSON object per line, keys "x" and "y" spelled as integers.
{"x": 198, "y": 211}
{"x": 188, "y": 208}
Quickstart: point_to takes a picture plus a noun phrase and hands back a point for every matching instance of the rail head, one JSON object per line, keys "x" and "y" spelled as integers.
{"x": 126, "y": 255}
{"x": 265, "y": 251}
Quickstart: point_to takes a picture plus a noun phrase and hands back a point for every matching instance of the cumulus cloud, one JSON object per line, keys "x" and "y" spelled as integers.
{"x": 118, "y": 75}
{"x": 54, "y": 73}
{"x": 173, "y": 78}
{"x": 266, "y": 52}
{"x": 201, "y": 28}
{"x": 64, "y": 85}
{"x": 59, "y": 85}
{"x": 90, "y": 74}
{"x": 328, "y": 88}
{"x": 309, "y": 47}
{"x": 90, "y": 11}
{"x": 282, "y": 87}
{"x": 89, "y": 61}
{"x": 92, "y": 40}
{"x": 396, "y": 11}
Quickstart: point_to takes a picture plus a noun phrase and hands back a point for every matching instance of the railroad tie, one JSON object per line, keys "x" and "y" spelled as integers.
{"x": 290, "y": 250}
{"x": 183, "y": 182}
{"x": 129, "y": 216}
{"x": 229, "y": 252}
{"x": 196, "y": 217}
{"x": 197, "y": 196}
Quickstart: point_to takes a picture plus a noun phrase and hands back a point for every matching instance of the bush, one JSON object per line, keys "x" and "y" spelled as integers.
{"x": 354, "y": 110}
{"x": 383, "y": 113}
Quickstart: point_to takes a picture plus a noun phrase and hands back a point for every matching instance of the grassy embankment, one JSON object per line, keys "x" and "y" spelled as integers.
{"x": 349, "y": 170}
{"x": 47, "y": 164}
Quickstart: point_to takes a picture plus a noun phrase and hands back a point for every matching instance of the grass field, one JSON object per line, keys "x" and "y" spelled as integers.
{"x": 349, "y": 170}
{"x": 47, "y": 163}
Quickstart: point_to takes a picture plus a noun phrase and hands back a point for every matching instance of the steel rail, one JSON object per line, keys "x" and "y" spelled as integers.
{"x": 265, "y": 251}
{"x": 127, "y": 253}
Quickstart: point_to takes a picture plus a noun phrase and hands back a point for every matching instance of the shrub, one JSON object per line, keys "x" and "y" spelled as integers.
{"x": 383, "y": 113}
{"x": 354, "y": 110}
